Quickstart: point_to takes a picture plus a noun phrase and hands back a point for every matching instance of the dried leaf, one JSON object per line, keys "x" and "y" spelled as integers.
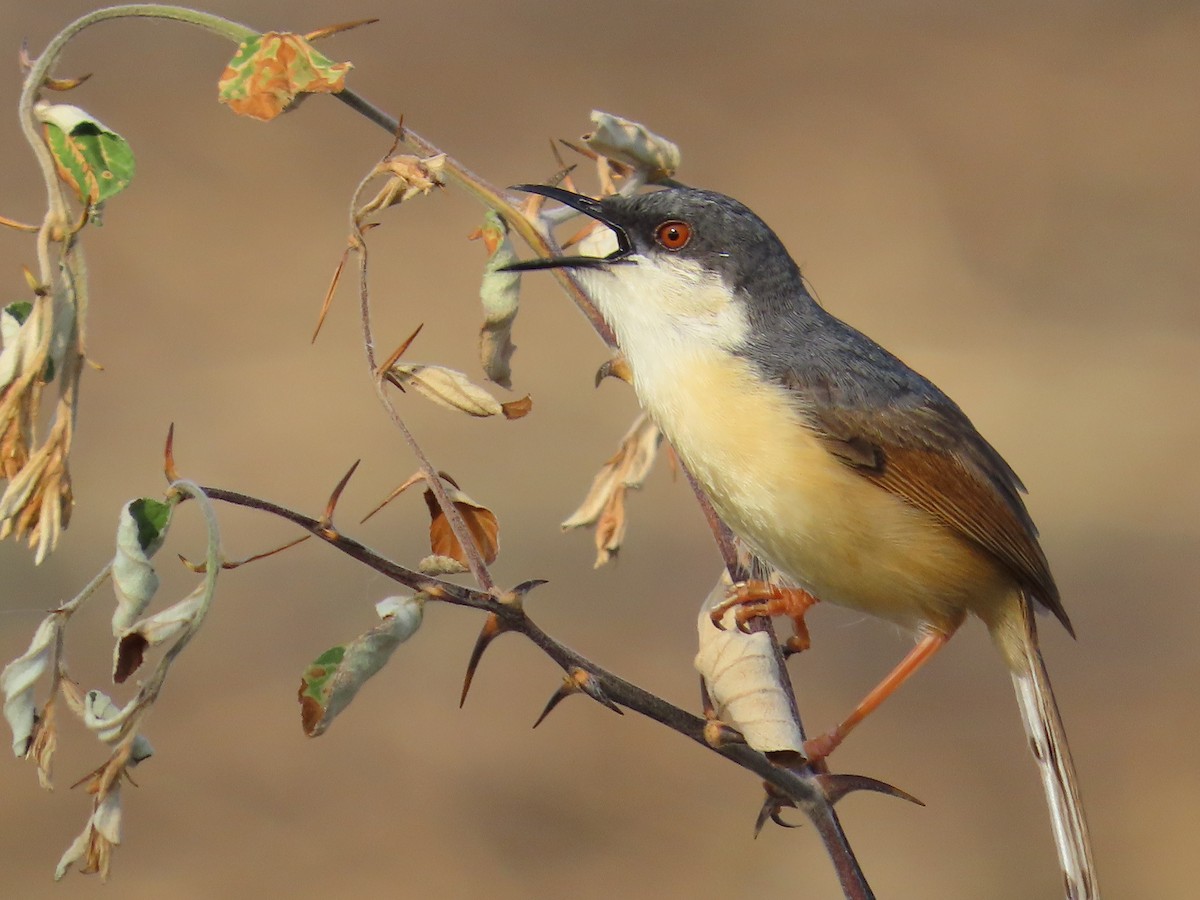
{"x": 481, "y": 522}
{"x": 19, "y": 678}
{"x": 500, "y": 294}
{"x": 744, "y": 680}
{"x": 150, "y": 632}
{"x": 437, "y": 566}
{"x": 94, "y": 160}
{"x": 335, "y": 677}
{"x": 408, "y": 176}
{"x": 445, "y": 387}
{"x": 269, "y": 71}
{"x": 44, "y": 743}
{"x": 604, "y": 505}
{"x": 517, "y": 409}
{"x": 95, "y": 844}
{"x": 633, "y": 144}
{"x": 141, "y": 530}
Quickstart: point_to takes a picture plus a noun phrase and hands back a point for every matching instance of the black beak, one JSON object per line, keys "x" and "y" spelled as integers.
{"x": 588, "y": 207}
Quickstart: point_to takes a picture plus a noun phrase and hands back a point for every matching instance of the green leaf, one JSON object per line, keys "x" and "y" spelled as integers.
{"x": 152, "y": 517}
{"x": 333, "y": 679}
{"x": 94, "y": 160}
{"x": 19, "y": 310}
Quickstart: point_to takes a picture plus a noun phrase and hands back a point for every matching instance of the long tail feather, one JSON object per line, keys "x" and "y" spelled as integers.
{"x": 1048, "y": 741}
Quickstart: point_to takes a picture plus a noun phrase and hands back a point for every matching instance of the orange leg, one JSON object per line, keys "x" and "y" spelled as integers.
{"x": 749, "y": 599}
{"x": 819, "y": 748}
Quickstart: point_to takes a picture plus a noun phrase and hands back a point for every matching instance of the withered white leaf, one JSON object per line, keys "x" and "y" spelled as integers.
{"x": 446, "y": 387}
{"x": 95, "y": 844}
{"x": 500, "y": 294}
{"x": 633, "y": 144}
{"x": 141, "y": 530}
{"x": 19, "y": 678}
{"x": 154, "y": 630}
{"x": 743, "y": 679}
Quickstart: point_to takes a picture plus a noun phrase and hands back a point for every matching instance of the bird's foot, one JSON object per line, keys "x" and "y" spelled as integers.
{"x": 749, "y": 599}
{"x": 818, "y": 748}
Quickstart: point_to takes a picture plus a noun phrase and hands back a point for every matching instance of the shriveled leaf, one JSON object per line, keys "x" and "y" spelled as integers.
{"x": 335, "y": 677}
{"x": 95, "y": 161}
{"x": 16, "y": 344}
{"x": 743, "y": 679}
{"x": 44, "y": 743}
{"x": 102, "y": 716}
{"x": 92, "y": 849}
{"x": 271, "y": 70}
{"x": 517, "y": 409}
{"x": 141, "y": 530}
{"x": 445, "y": 387}
{"x": 19, "y": 678}
{"x": 604, "y": 505}
{"x": 440, "y": 565}
{"x": 633, "y": 144}
{"x": 500, "y": 294}
{"x": 407, "y": 176}
{"x": 481, "y": 522}
{"x": 150, "y": 632}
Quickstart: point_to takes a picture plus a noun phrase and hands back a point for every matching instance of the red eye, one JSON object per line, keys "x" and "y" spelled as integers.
{"x": 673, "y": 235}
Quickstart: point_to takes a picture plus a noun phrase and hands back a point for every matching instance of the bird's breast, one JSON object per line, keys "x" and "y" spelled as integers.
{"x": 772, "y": 480}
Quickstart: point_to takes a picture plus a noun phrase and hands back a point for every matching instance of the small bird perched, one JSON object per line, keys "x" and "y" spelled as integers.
{"x": 837, "y": 464}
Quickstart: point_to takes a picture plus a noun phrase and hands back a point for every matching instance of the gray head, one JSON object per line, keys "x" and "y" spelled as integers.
{"x": 696, "y": 266}
{"x": 719, "y": 234}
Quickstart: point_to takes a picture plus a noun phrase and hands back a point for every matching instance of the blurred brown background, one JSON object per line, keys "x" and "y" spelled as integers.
{"x": 1006, "y": 196}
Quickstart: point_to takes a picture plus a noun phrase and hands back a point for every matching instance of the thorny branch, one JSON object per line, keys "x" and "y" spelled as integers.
{"x": 814, "y": 793}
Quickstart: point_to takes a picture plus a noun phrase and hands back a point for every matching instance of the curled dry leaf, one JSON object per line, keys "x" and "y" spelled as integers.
{"x": 500, "y": 294}
{"x": 445, "y": 387}
{"x": 604, "y": 505}
{"x": 437, "y": 566}
{"x": 19, "y": 678}
{"x": 158, "y": 629}
{"x": 407, "y": 176}
{"x": 744, "y": 680}
{"x": 480, "y": 521}
{"x": 92, "y": 849}
{"x": 517, "y": 409}
{"x": 271, "y": 70}
{"x": 633, "y": 144}
{"x": 335, "y": 677}
{"x": 141, "y": 530}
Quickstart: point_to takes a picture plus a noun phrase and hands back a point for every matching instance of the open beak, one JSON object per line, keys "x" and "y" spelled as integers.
{"x": 588, "y": 207}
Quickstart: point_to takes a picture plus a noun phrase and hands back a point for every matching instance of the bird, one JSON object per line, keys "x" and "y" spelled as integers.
{"x": 838, "y": 465}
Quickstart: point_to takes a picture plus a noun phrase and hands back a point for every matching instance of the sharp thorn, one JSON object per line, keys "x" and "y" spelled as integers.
{"x": 169, "y": 456}
{"x": 566, "y": 689}
{"x": 836, "y": 787}
{"x": 491, "y": 630}
{"x": 327, "y": 519}
{"x": 516, "y": 596}
{"x": 772, "y": 806}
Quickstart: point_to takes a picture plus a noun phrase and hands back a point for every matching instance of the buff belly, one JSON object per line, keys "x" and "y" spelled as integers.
{"x": 834, "y": 532}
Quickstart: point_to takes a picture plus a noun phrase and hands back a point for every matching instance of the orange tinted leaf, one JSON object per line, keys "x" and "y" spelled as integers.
{"x": 517, "y": 409}
{"x": 481, "y": 522}
{"x": 269, "y": 71}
